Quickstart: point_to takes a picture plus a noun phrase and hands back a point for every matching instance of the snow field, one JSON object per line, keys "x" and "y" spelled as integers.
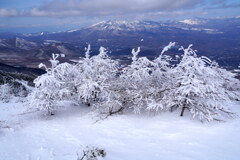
{"x": 34, "y": 136}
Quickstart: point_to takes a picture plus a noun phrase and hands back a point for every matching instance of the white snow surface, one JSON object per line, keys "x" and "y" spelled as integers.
{"x": 74, "y": 30}
{"x": 189, "y": 21}
{"x": 33, "y": 136}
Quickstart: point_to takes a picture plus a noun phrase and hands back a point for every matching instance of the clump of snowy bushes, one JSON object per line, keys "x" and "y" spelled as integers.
{"x": 195, "y": 84}
{"x": 14, "y": 85}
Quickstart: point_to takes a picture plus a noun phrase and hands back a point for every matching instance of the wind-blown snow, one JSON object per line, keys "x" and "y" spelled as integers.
{"x": 124, "y": 137}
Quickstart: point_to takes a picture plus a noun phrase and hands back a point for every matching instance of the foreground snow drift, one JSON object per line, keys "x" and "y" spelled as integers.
{"x": 167, "y": 136}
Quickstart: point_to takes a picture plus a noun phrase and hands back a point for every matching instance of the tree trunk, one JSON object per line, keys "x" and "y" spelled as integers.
{"x": 50, "y": 113}
{"x": 184, "y": 106}
{"x": 182, "y": 111}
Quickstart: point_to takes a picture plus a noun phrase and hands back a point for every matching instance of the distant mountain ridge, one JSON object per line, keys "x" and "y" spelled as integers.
{"x": 217, "y": 38}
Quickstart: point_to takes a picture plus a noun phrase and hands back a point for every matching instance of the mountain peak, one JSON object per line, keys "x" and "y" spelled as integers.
{"x": 195, "y": 21}
{"x": 123, "y": 25}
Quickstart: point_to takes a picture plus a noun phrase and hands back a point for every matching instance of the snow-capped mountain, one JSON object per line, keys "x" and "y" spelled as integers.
{"x": 124, "y": 25}
{"x": 218, "y": 38}
{"x": 192, "y": 21}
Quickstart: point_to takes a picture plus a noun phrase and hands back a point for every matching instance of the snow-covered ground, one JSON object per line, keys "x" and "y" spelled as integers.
{"x": 166, "y": 136}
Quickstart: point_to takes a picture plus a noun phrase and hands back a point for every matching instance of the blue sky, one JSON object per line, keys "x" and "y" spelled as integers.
{"x": 28, "y": 16}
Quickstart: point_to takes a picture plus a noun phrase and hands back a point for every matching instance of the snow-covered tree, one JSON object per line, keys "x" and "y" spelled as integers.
{"x": 142, "y": 82}
{"x": 230, "y": 84}
{"x": 47, "y": 87}
{"x": 94, "y": 74}
{"x": 161, "y": 79}
{"x": 134, "y": 90}
{"x": 196, "y": 88}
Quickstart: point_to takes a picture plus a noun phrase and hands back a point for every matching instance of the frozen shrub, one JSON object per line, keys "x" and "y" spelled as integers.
{"x": 91, "y": 153}
{"x": 94, "y": 76}
{"x": 6, "y": 92}
{"x": 47, "y": 88}
{"x": 198, "y": 88}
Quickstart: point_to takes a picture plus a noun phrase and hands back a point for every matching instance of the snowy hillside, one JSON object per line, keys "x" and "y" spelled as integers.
{"x": 24, "y": 44}
{"x": 149, "y": 109}
{"x": 124, "y": 137}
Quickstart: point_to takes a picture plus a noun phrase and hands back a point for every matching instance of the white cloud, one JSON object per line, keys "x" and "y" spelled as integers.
{"x": 8, "y": 12}
{"x": 176, "y": 13}
{"x": 37, "y": 12}
{"x": 124, "y": 5}
{"x": 114, "y": 8}
{"x": 105, "y": 7}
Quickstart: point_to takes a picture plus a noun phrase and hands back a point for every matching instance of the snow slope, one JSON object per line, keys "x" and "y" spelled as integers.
{"x": 166, "y": 136}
